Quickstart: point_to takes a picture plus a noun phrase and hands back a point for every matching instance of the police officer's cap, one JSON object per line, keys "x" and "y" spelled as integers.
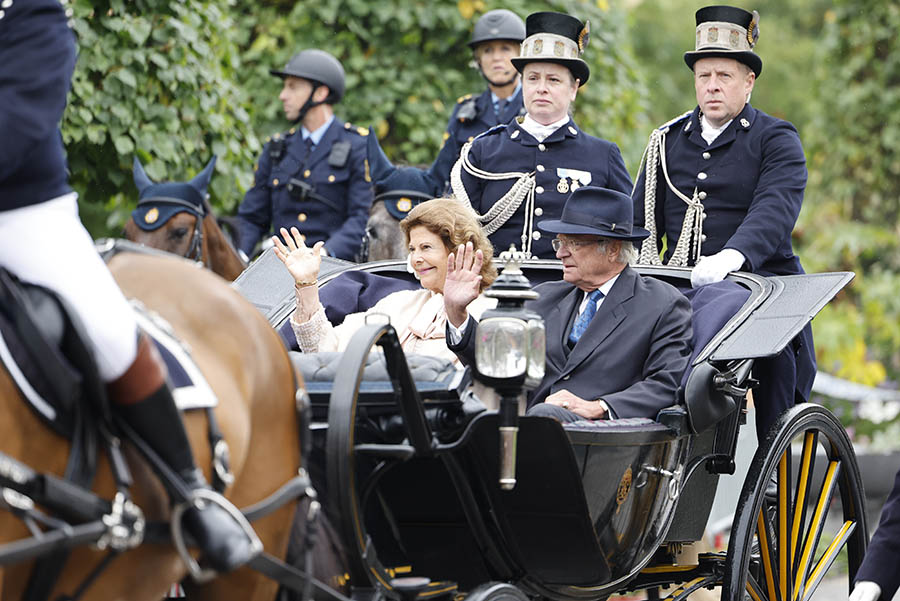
{"x": 555, "y": 38}
{"x": 318, "y": 66}
{"x": 499, "y": 24}
{"x": 726, "y": 32}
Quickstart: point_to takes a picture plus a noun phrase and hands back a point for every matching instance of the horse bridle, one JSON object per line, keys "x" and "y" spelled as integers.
{"x": 195, "y": 249}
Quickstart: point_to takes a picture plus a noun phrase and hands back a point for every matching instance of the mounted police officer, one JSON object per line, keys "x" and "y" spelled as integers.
{"x": 43, "y": 241}
{"x": 313, "y": 177}
{"x": 724, "y": 184}
{"x": 527, "y": 168}
{"x": 495, "y": 42}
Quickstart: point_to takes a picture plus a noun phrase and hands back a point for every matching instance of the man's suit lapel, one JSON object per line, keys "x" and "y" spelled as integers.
{"x": 557, "y": 327}
{"x": 609, "y": 315}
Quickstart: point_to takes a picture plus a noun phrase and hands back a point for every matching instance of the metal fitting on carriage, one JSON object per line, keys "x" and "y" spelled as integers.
{"x": 124, "y": 525}
{"x": 674, "y": 487}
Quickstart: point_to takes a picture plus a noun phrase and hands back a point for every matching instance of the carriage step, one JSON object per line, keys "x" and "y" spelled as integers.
{"x": 386, "y": 451}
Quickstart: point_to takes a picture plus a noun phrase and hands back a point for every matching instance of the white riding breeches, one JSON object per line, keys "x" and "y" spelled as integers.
{"x": 47, "y": 244}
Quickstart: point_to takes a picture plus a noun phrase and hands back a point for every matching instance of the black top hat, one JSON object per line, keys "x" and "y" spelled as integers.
{"x": 597, "y": 211}
{"x": 555, "y": 38}
{"x": 726, "y": 32}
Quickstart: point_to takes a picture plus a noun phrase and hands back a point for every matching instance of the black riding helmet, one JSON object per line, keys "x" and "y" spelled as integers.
{"x": 499, "y": 24}
{"x": 320, "y": 68}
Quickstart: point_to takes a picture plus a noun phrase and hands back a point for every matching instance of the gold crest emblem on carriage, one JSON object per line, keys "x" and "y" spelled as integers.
{"x": 624, "y": 487}
{"x": 712, "y": 36}
{"x": 152, "y": 215}
{"x": 559, "y": 49}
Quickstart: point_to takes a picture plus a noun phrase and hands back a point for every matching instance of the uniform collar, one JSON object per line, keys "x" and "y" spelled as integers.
{"x": 317, "y": 135}
{"x": 563, "y": 128}
{"x": 742, "y": 122}
{"x": 510, "y": 98}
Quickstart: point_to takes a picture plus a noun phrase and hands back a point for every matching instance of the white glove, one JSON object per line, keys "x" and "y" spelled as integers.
{"x": 865, "y": 591}
{"x": 710, "y": 270}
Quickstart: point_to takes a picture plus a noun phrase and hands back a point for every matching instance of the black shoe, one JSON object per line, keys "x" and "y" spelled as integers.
{"x": 224, "y": 542}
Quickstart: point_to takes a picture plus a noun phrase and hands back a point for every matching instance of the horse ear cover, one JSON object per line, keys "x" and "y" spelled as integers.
{"x": 201, "y": 180}
{"x": 141, "y": 181}
{"x": 380, "y": 166}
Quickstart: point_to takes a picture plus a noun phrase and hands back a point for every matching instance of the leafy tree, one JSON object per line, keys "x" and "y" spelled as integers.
{"x": 156, "y": 78}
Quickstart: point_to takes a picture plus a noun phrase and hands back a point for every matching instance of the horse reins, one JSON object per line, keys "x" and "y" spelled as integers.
{"x": 195, "y": 250}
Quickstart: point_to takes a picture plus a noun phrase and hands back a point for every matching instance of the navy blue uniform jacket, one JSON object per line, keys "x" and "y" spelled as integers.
{"x": 37, "y": 57}
{"x": 881, "y": 563}
{"x": 632, "y": 354}
{"x": 338, "y": 218}
{"x": 512, "y": 149}
{"x": 462, "y": 130}
{"x": 753, "y": 177}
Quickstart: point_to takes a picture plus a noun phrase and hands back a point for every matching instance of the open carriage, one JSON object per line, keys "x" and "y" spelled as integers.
{"x": 413, "y": 473}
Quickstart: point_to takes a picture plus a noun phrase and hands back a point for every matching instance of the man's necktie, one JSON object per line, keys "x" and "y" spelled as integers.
{"x": 584, "y": 320}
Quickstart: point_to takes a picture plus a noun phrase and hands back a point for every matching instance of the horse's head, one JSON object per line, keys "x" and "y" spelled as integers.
{"x": 397, "y": 191}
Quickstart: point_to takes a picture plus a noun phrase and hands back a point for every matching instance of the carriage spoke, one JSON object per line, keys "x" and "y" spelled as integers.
{"x": 764, "y": 537}
{"x": 804, "y": 486}
{"x": 828, "y": 557}
{"x": 815, "y": 527}
{"x": 755, "y": 592}
{"x": 784, "y": 526}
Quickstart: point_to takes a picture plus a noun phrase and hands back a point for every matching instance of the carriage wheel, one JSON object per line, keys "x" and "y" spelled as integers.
{"x": 496, "y": 591}
{"x": 781, "y": 547}
{"x": 344, "y": 451}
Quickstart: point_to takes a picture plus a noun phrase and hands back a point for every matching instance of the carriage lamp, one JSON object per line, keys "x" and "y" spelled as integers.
{"x": 510, "y": 353}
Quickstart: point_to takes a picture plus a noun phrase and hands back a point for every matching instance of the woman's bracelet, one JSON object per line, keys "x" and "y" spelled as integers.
{"x": 299, "y": 285}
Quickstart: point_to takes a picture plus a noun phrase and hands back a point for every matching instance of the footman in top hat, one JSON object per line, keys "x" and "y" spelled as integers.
{"x": 37, "y": 58}
{"x": 617, "y": 343}
{"x": 730, "y": 191}
{"x": 516, "y": 173}
{"x": 314, "y": 176}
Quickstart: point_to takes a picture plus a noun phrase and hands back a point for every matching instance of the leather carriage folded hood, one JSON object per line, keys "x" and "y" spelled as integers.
{"x": 792, "y": 303}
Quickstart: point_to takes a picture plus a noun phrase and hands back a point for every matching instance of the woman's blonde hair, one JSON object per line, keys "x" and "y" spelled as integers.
{"x": 454, "y": 223}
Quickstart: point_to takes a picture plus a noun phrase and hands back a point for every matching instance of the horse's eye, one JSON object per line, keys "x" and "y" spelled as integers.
{"x": 372, "y": 233}
{"x": 178, "y": 233}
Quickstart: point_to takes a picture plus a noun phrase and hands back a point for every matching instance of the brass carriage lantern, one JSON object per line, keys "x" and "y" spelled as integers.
{"x": 509, "y": 353}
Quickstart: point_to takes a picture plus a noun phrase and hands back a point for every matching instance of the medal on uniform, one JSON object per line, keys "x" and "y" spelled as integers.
{"x": 562, "y": 186}
{"x": 575, "y": 185}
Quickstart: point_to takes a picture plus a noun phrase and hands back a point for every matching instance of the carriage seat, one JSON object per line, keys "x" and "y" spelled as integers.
{"x": 439, "y": 382}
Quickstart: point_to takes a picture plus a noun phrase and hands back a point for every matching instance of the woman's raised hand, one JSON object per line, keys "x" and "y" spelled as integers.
{"x": 463, "y": 282}
{"x": 301, "y": 261}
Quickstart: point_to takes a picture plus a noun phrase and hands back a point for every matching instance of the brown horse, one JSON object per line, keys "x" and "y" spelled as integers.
{"x": 176, "y": 217}
{"x": 248, "y": 369}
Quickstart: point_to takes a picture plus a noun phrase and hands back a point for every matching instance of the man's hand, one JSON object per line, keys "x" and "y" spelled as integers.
{"x": 576, "y": 404}
{"x": 463, "y": 282}
{"x": 712, "y": 269}
{"x": 865, "y": 591}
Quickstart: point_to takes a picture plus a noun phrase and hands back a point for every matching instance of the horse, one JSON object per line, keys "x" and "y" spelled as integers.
{"x": 248, "y": 369}
{"x": 176, "y": 217}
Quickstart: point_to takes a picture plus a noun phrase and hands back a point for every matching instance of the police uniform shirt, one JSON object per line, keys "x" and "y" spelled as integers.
{"x": 750, "y": 180}
{"x": 472, "y": 116}
{"x": 37, "y": 57}
{"x": 326, "y": 195}
{"x": 566, "y": 159}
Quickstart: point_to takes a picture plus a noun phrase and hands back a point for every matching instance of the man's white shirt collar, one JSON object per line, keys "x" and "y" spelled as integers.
{"x": 317, "y": 135}
{"x": 709, "y": 132}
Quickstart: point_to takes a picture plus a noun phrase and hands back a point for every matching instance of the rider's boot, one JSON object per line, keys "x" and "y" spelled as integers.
{"x": 142, "y": 397}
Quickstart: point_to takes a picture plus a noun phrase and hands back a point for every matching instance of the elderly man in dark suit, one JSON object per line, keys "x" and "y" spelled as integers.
{"x": 617, "y": 342}
{"x": 724, "y": 184}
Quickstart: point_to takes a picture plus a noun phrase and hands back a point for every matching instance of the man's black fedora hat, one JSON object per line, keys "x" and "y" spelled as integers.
{"x": 597, "y": 211}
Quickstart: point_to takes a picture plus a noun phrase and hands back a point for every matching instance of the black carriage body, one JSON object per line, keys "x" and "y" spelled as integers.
{"x": 592, "y": 508}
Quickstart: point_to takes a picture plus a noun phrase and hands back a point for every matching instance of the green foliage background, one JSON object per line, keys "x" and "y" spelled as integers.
{"x": 176, "y": 81}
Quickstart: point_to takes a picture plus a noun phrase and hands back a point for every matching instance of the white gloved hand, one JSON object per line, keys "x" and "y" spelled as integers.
{"x": 865, "y": 591}
{"x": 709, "y": 270}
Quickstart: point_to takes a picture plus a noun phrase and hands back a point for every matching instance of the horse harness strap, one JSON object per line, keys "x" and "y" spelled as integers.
{"x": 195, "y": 250}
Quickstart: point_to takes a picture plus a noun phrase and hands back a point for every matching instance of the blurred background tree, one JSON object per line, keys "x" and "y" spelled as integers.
{"x": 178, "y": 80}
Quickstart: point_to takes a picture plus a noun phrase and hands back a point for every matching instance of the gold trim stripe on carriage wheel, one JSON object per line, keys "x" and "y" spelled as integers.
{"x": 809, "y": 445}
{"x": 684, "y": 587}
{"x": 753, "y": 590}
{"x": 829, "y": 556}
{"x": 762, "y": 535}
{"x": 815, "y": 526}
{"x": 783, "y": 543}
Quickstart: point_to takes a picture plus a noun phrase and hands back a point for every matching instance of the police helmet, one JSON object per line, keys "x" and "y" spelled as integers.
{"x": 499, "y": 24}
{"x": 317, "y": 66}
